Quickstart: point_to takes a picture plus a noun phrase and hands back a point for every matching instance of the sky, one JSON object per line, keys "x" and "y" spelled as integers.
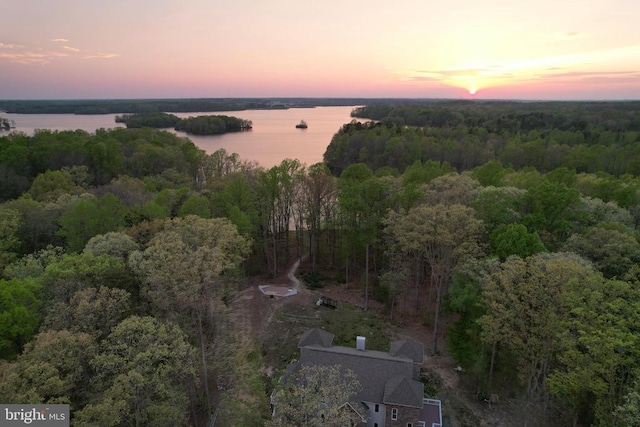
{"x": 460, "y": 49}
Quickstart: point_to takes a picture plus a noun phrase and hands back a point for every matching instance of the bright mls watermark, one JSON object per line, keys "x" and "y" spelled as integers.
{"x": 36, "y": 415}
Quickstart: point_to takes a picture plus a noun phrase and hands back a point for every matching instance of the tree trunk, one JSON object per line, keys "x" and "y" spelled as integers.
{"x": 493, "y": 358}
{"x": 346, "y": 271}
{"x": 416, "y": 281}
{"x": 275, "y": 249}
{"x": 204, "y": 365}
{"x": 312, "y": 251}
{"x": 436, "y": 319}
{"x": 393, "y": 303}
{"x": 366, "y": 277}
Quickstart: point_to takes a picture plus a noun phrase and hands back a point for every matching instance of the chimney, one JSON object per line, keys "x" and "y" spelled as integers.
{"x": 360, "y": 343}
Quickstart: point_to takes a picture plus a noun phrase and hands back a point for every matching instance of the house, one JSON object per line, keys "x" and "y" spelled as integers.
{"x": 391, "y": 393}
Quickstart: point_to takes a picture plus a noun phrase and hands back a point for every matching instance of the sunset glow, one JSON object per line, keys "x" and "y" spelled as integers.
{"x": 240, "y": 48}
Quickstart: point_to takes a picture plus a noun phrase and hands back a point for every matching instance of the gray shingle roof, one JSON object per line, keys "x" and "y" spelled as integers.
{"x": 316, "y": 337}
{"x": 381, "y": 375}
{"x": 411, "y": 349}
{"x": 404, "y": 391}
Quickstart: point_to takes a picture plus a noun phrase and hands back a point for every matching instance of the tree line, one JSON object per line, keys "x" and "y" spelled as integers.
{"x": 172, "y": 105}
{"x": 199, "y": 125}
{"x": 521, "y": 272}
{"x": 587, "y": 137}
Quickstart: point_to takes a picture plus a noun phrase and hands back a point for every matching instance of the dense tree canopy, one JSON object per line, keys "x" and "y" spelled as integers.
{"x": 586, "y": 137}
{"x": 106, "y": 154}
{"x": 19, "y": 315}
{"x": 143, "y": 373}
{"x": 213, "y": 125}
{"x": 520, "y": 218}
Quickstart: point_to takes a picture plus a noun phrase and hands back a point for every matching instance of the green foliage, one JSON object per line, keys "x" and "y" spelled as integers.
{"x": 552, "y": 211}
{"x": 465, "y": 299}
{"x": 240, "y": 377}
{"x": 237, "y": 201}
{"x": 89, "y": 218}
{"x": 51, "y": 184}
{"x": 599, "y": 347}
{"x": 542, "y": 136}
{"x": 148, "y": 212}
{"x": 442, "y": 236}
{"x": 315, "y": 396}
{"x": 92, "y": 310}
{"x": 499, "y": 205}
{"x": 143, "y": 373}
{"x": 73, "y": 272}
{"x": 628, "y": 412}
{"x": 181, "y": 265}
{"x": 525, "y": 178}
{"x": 525, "y": 310}
{"x": 19, "y": 315}
{"x": 168, "y": 200}
{"x": 180, "y": 270}
{"x": 152, "y": 120}
{"x": 247, "y": 405}
{"x": 33, "y": 265}
{"x": 514, "y": 239}
{"x": 451, "y": 189}
{"x": 613, "y": 251}
{"x": 113, "y": 243}
{"x": 60, "y": 156}
{"x": 39, "y": 221}
{"x": 212, "y": 125}
{"x": 490, "y": 174}
{"x": 564, "y": 174}
{"x": 196, "y": 205}
{"x": 129, "y": 190}
{"x": 114, "y": 106}
{"x": 54, "y": 368}
{"x": 598, "y": 212}
{"x": 9, "y": 240}
{"x": 315, "y": 280}
{"x": 363, "y": 201}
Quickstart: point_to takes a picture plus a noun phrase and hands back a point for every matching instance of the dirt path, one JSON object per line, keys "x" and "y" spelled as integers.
{"x": 457, "y": 395}
{"x": 259, "y": 308}
{"x": 291, "y": 275}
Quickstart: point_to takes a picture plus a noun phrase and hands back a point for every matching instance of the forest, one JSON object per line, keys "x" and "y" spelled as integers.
{"x": 512, "y": 228}
{"x": 199, "y": 125}
{"x": 173, "y": 105}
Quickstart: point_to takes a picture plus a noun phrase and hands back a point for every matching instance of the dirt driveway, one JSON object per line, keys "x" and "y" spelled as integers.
{"x": 277, "y": 322}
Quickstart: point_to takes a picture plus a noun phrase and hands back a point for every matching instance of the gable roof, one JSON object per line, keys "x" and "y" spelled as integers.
{"x": 411, "y": 349}
{"x": 384, "y": 377}
{"x": 316, "y": 337}
{"x": 358, "y": 408}
{"x": 404, "y": 391}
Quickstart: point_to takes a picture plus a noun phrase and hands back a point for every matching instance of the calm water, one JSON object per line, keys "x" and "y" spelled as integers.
{"x": 273, "y": 138}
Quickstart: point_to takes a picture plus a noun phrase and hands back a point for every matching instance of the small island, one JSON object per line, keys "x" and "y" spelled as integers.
{"x": 302, "y": 125}
{"x": 199, "y": 125}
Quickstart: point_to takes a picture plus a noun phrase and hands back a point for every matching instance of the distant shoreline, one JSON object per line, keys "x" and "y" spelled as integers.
{"x": 189, "y": 105}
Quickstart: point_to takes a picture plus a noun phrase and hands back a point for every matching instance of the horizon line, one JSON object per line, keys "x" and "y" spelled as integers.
{"x": 327, "y": 98}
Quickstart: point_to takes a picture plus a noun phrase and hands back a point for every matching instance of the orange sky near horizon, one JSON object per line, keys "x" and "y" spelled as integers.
{"x": 499, "y": 49}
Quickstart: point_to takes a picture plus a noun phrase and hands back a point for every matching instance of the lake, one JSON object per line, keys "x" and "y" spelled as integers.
{"x": 274, "y": 136}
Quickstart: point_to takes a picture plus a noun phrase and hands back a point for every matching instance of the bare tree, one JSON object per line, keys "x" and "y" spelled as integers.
{"x": 315, "y": 396}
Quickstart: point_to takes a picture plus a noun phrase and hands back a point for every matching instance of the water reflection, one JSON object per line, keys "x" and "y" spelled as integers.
{"x": 274, "y": 136}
